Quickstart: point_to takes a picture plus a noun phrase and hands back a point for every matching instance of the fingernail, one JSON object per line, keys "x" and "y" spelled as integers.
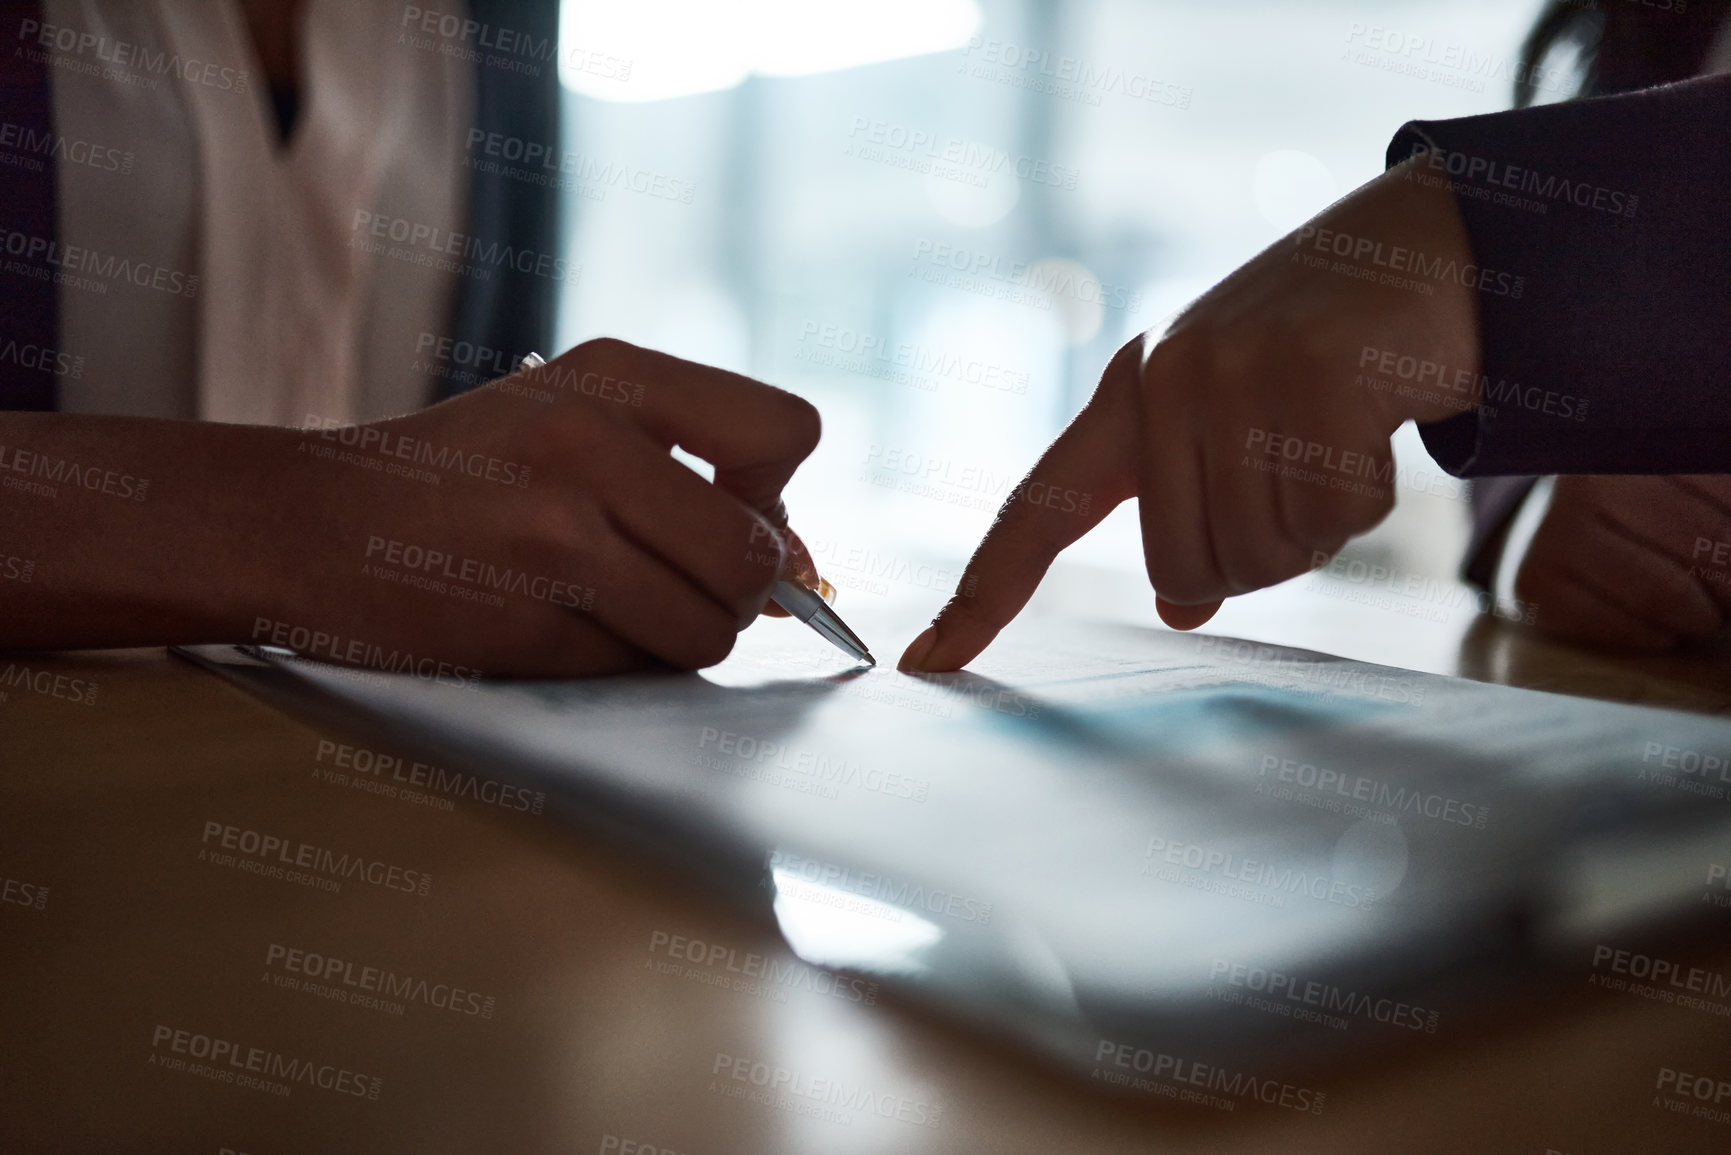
{"x": 915, "y": 654}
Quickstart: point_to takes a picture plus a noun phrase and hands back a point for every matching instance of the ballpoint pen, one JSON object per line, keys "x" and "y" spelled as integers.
{"x": 810, "y": 608}
{"x": 805, "y": 605}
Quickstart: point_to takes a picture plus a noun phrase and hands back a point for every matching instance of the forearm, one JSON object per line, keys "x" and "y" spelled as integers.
{"x": 119, "y": 531}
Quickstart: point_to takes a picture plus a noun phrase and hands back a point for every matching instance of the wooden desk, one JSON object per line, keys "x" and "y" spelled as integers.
{"x": 539, "y": 1008}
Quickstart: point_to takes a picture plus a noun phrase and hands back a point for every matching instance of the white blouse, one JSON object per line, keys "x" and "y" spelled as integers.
{"x": 251, "y": 297}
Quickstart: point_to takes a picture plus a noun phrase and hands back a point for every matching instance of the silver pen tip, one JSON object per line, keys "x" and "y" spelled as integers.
{"x": 828, "y": 623}
{"x": 807, "y": 605}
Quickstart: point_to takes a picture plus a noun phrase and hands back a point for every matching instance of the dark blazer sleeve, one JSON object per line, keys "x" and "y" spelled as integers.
{"x": 29, "y": 306}
{"x": 1612, "y": 219}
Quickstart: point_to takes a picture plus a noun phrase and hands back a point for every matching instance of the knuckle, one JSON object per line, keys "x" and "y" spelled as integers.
{"x": 1125, "y": 369}
{"x": 610, "y": 350}
{"x": 799, "y": 420}
{"x": 1174, "y": 358}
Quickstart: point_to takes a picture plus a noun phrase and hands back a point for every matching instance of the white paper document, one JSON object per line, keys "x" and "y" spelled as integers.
{"x": 1108, "y": 837}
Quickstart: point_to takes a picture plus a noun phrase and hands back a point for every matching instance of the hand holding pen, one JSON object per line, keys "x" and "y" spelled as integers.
{"x": 801, "y": 593}
{"x": 560, "y": 537}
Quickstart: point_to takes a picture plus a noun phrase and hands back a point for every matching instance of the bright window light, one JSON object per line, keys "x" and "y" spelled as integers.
{"x": 641, "y": 50}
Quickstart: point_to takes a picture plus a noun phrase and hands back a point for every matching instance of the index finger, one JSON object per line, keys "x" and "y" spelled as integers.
{"x": 1083, "y": 475}
{"x": 754, "y": 434}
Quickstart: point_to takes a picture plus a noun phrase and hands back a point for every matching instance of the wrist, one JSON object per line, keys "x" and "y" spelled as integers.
{"x": 269, "y": 493}
{"x": 1422, "y": 325}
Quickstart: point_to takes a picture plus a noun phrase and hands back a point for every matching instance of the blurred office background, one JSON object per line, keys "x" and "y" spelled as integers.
{"x": 787, "y": 189}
